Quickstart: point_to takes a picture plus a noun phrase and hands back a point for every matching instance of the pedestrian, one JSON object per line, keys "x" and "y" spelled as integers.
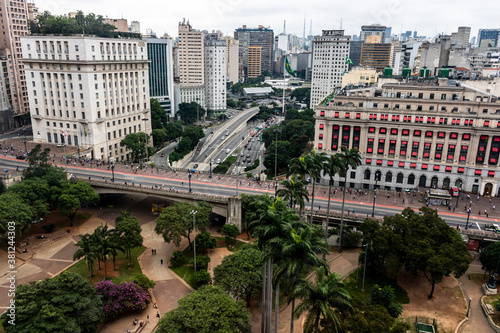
{"x": 152, "y": 251}
{"x": 493, "y": 207}
{"x": 157, "y": 314}
{"x": 161, "y": 261}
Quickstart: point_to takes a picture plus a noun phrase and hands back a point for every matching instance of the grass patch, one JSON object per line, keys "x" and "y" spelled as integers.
{"x": 479, "y": 278}
{"x": 224, "y": 166}
{"x": 233, "y": 246}
{"x": 2, "y": 330}
{"x": 122, "y": 272}
{"x": 354, "y": 287}
{"x": 185, "y": 272}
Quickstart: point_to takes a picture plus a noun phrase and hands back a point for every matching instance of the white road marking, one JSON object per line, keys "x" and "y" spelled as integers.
{"x": 478, "y": 226}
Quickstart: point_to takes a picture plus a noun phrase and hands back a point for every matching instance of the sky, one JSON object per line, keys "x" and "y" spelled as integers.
{"x": 428, "y": 17}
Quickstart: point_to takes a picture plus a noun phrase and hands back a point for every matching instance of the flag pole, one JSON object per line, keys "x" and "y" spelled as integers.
{"x": 284, "y": 85}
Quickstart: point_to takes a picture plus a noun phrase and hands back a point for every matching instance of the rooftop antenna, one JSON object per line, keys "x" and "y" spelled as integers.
{"x": 311, "y": 28}
{"x": 304, "y": 32}
{"x": 284, "y": 27}
{"x": 340, "y": 23}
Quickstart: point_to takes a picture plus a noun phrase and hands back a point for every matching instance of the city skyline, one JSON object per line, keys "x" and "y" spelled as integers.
{"x": 228, "y": 15}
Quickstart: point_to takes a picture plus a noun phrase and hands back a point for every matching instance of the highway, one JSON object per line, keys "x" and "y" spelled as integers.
{"x": 200, "y": 183}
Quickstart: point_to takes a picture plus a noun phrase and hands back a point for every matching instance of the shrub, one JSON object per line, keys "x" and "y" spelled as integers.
{"x": 177, "y": 259}
{"x": 123, "y": 298}
{"x": 230, "y": 231}
{"x": 255, "y": 165}
{"x": 143, "y": 281}
{"x": 200, "y": 278}
{"x": 205, "y": 241}
{"x": 49, "y": 227}
{"x": 201, "y": 262}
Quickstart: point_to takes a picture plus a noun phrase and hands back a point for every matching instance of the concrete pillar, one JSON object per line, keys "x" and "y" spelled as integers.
{"x": 234, "y": 213}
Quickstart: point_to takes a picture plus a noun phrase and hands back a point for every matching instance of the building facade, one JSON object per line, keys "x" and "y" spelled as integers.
{"x": 14, "y": 25}
{"x": 161, "y": 73}
{"x": 6, "y": 112}
{"x": 190, "y": 51}
{"x": 329, "y": 62}
{"x": 263, "y": 37}
{"x": 416, "y": 136}
{"x": 87, "y": 92}
{"x": 232, "y": 60}
{"x": 215, "y": 74}
{"x": 488, "y": 38}
{"x": 254, "y": 62}
{"x": 376, "y": 55}
{"x": 372, "y": 30}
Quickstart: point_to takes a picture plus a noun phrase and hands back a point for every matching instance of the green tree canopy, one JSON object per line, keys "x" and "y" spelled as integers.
{"x": 75, "y": 195}
{"x": 176, "y": 222}
{"x": 208, "y": 310}
{"x": 283, "y": 157}
{"x": 159, "y": 117}
{"x": 190, "y": 112}
{"x": 65, "y": 303}
{"x": 240, "y": 274}
{"x": 490, "y": 257}
{"x": 13, "y": 209}
{"x": 301, "y": 95}
{"x": 136, "y": 143}
{"x": 129, "y": 231}
{"x": 174, "y": 130}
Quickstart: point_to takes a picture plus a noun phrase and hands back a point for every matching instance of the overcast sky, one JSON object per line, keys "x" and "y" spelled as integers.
{"x": 428, "y": 17}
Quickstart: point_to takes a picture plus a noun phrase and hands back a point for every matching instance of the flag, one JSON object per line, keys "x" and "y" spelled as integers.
{"x": 348, "y": 61}
{"x": 85, "y": 131}
{"x": 289, "y": 68}
{"x": 65, "y": 134}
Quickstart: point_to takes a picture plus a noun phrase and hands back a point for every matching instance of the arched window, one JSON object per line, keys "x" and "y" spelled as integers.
{"x": 388, "y": 177}
{"x": 446, "y": 183}
{"x": 411, "y": 179}
{"x": 434, "y": 182}
{"x": 367, "y": 174}
{"x": 459, "y": 183}
{"x": 422, "y": 181}
{"x": 399, "y": 178}
{"x": 378, "y": 175}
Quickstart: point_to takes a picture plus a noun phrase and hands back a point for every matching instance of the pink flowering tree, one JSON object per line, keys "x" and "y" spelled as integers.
{"x": 123, "y": 298}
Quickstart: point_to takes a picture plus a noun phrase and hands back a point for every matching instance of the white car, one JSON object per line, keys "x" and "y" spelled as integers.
{"x": 218, "y": 161}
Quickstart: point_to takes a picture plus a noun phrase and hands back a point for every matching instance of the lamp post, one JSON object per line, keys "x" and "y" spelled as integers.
{"x": 210, "y": 174}
{"x": 198, "y": 110}
{"x": 459, "y": 189}
{"x": 237, "y": 176}
{"x": 468, "y": 308}
{"x": 276, "y": 164}
{"x": 375, "y": 195}
{"x": 194, "y": 212}
{"x": 113, "y": 172}
{"x": 189, "y": 176}
{"x": 364, "y": 266}
{"x": 24, "y": 134}
{"x": 467, "y": 223}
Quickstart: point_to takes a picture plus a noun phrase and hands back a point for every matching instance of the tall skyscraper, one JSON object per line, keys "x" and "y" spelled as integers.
{"x": 93, "y": 97}
{"x": 232, "y": 60}
{"x": 14, "y": 25}
{"x": 215, "y": 74}
{"x": 388, "y": 35}
{"x": 375, "y": 54}
{"x": 6, "y": 112}
{"x": 327, "y": 74}
{"x": 263, "y": 37}
{"x": 161, "y": 73}
{"x": 254, "y": 61}
{"x": 374, "y": 29}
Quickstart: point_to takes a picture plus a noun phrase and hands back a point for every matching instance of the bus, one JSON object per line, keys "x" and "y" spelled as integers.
{"x": 454, "y": 191}
{"x": 436, "y": 197}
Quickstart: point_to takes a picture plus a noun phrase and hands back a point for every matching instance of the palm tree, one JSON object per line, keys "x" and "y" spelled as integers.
{"x": 297, "y": 250}
{"x": 350, "y": 159}
{"x": 86, "y": 250}
{"x": 314, "y": 168}
{"x": 322, "y": 300}
{"x": 115, "y": 245}
{"x": 295, "y": 192}
{"x": 299, "y": 166}
{"x": 331, "y": 167}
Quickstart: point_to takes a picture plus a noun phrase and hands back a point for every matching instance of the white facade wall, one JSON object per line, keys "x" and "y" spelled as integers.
{"x": 330, "y": 52}
{"x": 215, "y": 76}
{"x": 95, "y": 89}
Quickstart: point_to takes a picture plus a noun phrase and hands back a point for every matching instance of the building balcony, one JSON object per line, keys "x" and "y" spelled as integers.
{"x": 36, "y": 116}
{"x": 83, "y": 121}
{"x": 100, "y": 120}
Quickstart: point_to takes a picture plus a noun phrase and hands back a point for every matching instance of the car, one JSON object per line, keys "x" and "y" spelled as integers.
{"x": 249, "y": 148}
{"x": 20, "y": 157}
{"x": 223, "y": 137}
{"x": 162, "y": 155}
{"x": 242, "y": 154}
{"x": 195, "y": 166}
{"x": 227, "y": 151}
{"x": 243, "y": 160}
{"x": 59, "y": 145}
{"x": 246, "y": 145}
{"x": 218, "y": 161}
{"x": 248, "y": 155}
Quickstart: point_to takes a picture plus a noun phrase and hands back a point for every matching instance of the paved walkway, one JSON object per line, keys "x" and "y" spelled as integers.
{"x": 473, "y": 290}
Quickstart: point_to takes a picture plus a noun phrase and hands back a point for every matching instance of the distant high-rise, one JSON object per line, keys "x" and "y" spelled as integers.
{"x": 135, "y": 27}
{"x": 215, "y": 74}
{"x": 263, "y": 37}
{"x": 232, "y": 60}
{"x": 462, "y": 36}
{"x": 190, "y": 54}
{"x": 161, "y": 73}
{"x": 13, "y": 26}
{"x": 388, "y": 35}
{"x": 374, "y": 29}
{"x": 374, "y": 54}
{"x": 488, "y": 38}
{"x": 327, "y": 74}
{"x": 254, "y": 61}
{"x": 120, "y": 24}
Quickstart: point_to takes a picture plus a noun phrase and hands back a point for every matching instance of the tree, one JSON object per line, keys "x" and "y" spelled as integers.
{"x": 115, "y": 245}
{"x": 230, "y": 231}
{"x": 208, "y": 310}
{"x": 369, "y": 318}
{"x": 294, "y": 192}
{"x": 205, "y": 241}
{"x": 174, "y": 130}
{"x": 136, "y": 143}
{"x": 159, "y": 136}
{"x": 301, "y": 95}
{"x": 38, "y": 161}
{"x": 385, "y": 296}
{"x": 322, "y": 300}
{"x": 283, "y": 157}
{"x": 489, "y": 257}
{"x": 120, "y": 299}
{"x": 176, "y": 222}
{"x": 35, "y": 192}
{"x": 291, "y": 114}
{"x": 241, "y": 104}
{"x": 129, "y": 231}
{"x": 314, "y": 165}
{"x": 350, "y": 159}
{"x": 332, "y": 166}
{"x": 75, "y": 195}
{"x": 190, "y": 112}
{"x": 159, "y": 117}
{"x": 65, "y": 303}
{"x": 240, "y": 274}
{"x": 200, "y": 278}
{"x": 88, "y": 250}
{"x": 13, "y": 209}
{"x": 231, "y": 103}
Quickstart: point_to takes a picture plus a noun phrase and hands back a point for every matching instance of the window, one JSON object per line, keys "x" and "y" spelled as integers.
{"x": 461, "y": 170}
{"x": 368, "y": 161}
{"x": 431, "y": 96}
{"x": 416, "y": 133}
{"x": 399, "y": 178}
{"x": 358, "y": 115}
{"x": 321, "y": 136}
{"x": 347, "y": 115}
{"x": 443, "y": 96}
{"x": 453, "y": 135}
{"x": 321, "y": 126}
{"x": 406, "y": 132}
{"x": 424, "y": 166}
{"x": 413, "y": 165}
{"x": 394, "y": 131}
{"x": 436, "y": 168}
{"x": 428, "y": 134}
{"x": 322, "y": 113}
{"x": 379, "y": 162}
{"x": 367, "y": 174}
{"x": 336, "y": 114}
{"x": 371, "y": 129}
{"x": 447, "y": 169}
{"x": 388, "y": 177}
{"x": 320, "y": 146}
{"x": 382, "y": 130}
{"x": 439, "y": 151}
{"x": 486, "y": 123}
{"x": 466, "y": 136}
{"x": 401, "y": 164}
{"x": 441, "y": 135}
{"x": 478, "y": 172}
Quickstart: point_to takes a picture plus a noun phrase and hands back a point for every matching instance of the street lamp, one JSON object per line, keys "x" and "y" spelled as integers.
{"x": 24, "y": 134}
{"x": 459, "y": 189}
{"x": 276, "y": 164}
{"x": 210, "y": 174}
{"x": 364, "y": 266}
{"x": 194, "y": 212}
{"x": 113, "y": 172}
{"x": 189, "y": 176}
{"x": 197, "y": 110}
{"x": 467, "y": 223}
{"x": 375, "y": 195}
{"x": 237, "y": 176}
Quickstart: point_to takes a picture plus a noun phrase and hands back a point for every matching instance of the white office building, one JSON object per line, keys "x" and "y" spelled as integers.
{"x": 88, "y": 92}
{"x": 329, "y": 62}
{"x": 215, "y": 74}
